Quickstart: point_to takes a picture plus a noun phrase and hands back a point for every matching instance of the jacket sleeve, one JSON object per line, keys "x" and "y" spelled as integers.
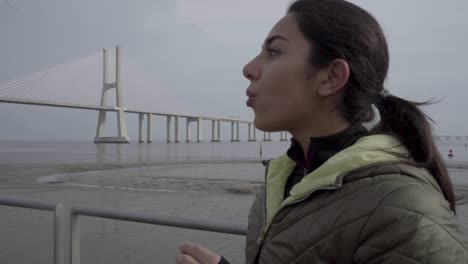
{"x": 413, "y": 224}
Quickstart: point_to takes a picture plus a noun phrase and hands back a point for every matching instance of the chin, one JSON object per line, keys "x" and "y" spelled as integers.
{"x": 267, "y": 126}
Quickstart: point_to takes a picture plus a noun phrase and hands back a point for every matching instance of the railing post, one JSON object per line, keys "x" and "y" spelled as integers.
{"x": 62, "y": 243}
{"x": 75, "y": 239}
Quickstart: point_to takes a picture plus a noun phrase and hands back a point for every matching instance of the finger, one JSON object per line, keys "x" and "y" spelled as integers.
{"x": 185, "y": 259}
{"x": 200, "y": 253}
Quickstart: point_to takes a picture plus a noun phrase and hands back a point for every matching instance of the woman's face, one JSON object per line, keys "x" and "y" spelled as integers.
{"x": 283, "y": 89}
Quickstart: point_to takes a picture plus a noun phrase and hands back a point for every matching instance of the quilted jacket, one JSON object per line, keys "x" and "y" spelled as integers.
{"x": 363, "y": 205}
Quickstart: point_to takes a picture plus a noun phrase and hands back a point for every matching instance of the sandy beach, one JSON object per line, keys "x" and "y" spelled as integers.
{"x": 217, "y": 190}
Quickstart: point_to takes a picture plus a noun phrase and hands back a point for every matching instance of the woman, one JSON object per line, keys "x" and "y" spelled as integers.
{"x": 342, "y": 194}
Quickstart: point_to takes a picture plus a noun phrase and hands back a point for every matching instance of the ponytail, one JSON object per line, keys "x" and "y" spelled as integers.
{"x": 404, "y": 120}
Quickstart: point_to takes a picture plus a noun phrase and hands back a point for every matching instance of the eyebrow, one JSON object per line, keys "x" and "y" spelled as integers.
{"x": 269, "y": 40}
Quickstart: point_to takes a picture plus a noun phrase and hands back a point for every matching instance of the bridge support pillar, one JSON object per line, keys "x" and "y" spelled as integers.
{"x": 213, "y": 122}
{"x": 251, "y": 132}
{"x": 219, "y": 131}
{"x": 140, "y": 127}
{"x": 215, "y": 130}
{"x": 284, "y": 136}
{"x": 168, "y": 129}
{"x": 121, "y": 123}
{"x": 199, "y": 131}
{"x": 176, "y": 129}
{"x": 187, "y": 129}
{"x": 235, "y": 136}
{"x": 149, "y": 136}
{"x": 232, "y": 131}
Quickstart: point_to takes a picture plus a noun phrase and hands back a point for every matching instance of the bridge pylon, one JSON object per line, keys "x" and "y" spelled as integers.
{"x": 121, "y": 123}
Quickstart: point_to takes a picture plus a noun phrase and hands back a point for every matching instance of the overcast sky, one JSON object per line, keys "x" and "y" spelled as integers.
{"x": 194, "y": 52}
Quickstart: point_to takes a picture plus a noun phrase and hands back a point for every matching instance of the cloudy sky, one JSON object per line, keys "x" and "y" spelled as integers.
{"x": 192, "y": 53}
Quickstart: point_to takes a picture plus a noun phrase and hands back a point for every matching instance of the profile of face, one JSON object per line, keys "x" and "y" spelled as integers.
{"x": 285, "y": 92}
{"x": 281, "y": 90}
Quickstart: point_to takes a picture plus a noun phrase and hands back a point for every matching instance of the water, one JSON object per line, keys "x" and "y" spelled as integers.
{"x": 459, "y": 148}
{"x": 85, "y": 152}
{"x": 17, "y": 153}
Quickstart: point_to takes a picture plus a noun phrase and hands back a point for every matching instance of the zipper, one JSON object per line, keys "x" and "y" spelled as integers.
{"x": 260, "y": 238}
{"x": 264, "y": 233}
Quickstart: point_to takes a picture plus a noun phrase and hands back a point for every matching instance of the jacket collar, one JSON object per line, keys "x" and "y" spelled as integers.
{"x": 366, "y": 151}
{"x": 322, "y": 148}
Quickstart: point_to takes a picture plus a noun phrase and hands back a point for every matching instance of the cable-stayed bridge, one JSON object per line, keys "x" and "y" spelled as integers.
{"x": 97, "y": 83}
{"x": 86, "y": 84}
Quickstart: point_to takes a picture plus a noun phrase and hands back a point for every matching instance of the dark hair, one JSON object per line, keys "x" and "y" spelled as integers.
{"x": 340, "y": 29}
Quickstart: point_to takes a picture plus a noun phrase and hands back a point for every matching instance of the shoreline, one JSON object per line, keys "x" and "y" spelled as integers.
{"x": 43, "y": 169}
{"x": 195, "y": 176}
{"x": 89, "y": 174}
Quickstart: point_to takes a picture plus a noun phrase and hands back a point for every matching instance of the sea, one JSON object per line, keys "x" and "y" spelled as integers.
{"x": 42, "y": 152}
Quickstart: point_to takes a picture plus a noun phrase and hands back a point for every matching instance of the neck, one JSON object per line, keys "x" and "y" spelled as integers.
{"x": 318, "y": 129}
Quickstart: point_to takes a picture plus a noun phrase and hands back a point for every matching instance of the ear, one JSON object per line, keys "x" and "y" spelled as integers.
{"x": 334, "y": 78}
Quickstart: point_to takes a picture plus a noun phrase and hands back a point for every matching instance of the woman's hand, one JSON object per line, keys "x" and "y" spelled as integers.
{"x": 196, "y": 254}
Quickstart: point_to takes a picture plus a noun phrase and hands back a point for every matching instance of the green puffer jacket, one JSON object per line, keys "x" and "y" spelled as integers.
{"x": 361, "y": 206}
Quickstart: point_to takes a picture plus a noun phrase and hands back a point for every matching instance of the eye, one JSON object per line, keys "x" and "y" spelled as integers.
{"x": 272, "y": 52}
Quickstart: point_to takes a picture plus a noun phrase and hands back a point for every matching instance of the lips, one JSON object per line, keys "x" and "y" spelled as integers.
{"x": 250, "y": 101}
{"x": 251, "y": 97}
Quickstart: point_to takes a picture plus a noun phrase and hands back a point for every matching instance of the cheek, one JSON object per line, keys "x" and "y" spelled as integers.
{"x": 285, "y": 89}
{"x": 285, "y": 102}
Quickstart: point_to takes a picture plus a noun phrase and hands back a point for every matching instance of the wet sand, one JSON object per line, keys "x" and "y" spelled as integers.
{"x": 217, "y": 190}
{"x": 186, "y": 189}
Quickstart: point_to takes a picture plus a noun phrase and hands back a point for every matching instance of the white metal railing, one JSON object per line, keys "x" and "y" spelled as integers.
{"x": 67, "y": 227}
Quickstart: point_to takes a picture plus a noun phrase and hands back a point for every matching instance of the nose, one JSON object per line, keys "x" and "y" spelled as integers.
{"x": 251, "y": 70}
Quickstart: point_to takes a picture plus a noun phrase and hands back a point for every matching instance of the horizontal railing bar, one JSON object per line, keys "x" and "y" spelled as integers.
{"x": 30, "y": 204}
{"x": 163, "y": 220}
